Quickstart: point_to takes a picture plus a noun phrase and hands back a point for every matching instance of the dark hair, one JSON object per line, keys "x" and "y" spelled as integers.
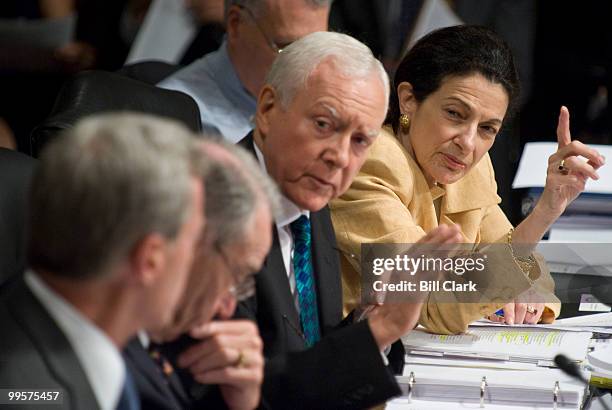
{"x": 455, "y": 51}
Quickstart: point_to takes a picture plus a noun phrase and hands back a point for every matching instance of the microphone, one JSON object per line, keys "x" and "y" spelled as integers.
{"x": 569, "y": 367}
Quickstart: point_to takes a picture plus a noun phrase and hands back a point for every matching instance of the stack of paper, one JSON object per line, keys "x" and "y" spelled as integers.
{"x": 595, "y": 323}
{"x": 589, "y": 217}
{"x": 498, "y": 366}
{"x": 600, "y": 361}
{"x": 527, "y": 345}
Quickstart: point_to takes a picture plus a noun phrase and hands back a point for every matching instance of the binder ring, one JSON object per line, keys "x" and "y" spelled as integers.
{"x": 483, "y": 389}
{"x": 556, "y": 395}
{"x": 411, "y": 381}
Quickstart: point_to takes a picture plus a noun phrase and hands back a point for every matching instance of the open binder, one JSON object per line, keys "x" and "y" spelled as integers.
{"x": 531, "y": 389}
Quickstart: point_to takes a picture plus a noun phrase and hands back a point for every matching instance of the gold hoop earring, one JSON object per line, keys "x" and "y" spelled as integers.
{"x": 404, "y": 122}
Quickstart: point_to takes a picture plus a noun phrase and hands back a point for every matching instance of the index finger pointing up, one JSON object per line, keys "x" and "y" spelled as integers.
{"x": 563, "y": 130}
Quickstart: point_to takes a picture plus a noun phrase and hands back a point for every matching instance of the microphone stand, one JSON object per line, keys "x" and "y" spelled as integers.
{"x": 569, "y": 367}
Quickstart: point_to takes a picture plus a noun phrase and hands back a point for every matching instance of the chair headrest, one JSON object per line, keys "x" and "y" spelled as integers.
{"x": 150, "y": 71}
{"x": 91, "y": 92}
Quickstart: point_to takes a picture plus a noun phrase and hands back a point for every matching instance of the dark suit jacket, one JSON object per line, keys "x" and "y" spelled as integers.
{"x": 35, "y": 354}
{"x": 178, "y": 391}
{"x": 16, "y": 171}
{"x": 342, "y": 371}
{"x": 155, "y": 391}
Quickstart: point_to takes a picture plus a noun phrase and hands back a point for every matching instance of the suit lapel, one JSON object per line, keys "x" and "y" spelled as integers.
{"x": 274, "y": 279}
{"x": 52, "y": 345}
{"x": 248, "y": 144}
{"x": 325, "y": 264}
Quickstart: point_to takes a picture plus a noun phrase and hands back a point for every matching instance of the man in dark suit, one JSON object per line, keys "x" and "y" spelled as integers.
{"x": 240, "y": 200}
{"x": 323, "y": 104}
{"x": 116, "y": 210}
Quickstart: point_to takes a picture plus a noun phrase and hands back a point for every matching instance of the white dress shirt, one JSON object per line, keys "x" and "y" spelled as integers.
{"x": 226, "y": 107}
{"x": 288, "y": 213}
{"x": 98, "y": 355}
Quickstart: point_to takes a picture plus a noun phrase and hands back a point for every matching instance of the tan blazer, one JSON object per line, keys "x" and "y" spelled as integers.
{"x": 390, "y": 202}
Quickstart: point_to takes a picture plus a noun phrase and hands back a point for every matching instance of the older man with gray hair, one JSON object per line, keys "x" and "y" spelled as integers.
{"x": 116, "y": 210}
{"x": 241, "y": 200}
{"x": 225, "y": 83}
{"x": 322, "y": 106}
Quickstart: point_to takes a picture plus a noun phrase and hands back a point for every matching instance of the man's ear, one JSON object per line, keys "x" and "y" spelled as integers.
{"x": 148, "y": 259}
{"x": 266, "y": 104}
{"x": 406, "y": 100}
{"x": 232, "y": 21}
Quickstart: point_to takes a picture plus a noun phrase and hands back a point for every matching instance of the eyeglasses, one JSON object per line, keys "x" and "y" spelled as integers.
{"x": 244, "y": 286}
{"x": 271, "y": 43}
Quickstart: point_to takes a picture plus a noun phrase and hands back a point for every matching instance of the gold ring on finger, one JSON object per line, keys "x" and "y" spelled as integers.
{"x": 562, "y": 168}
{"x": 241, "y": 360}
{"x": 532, "y": 310}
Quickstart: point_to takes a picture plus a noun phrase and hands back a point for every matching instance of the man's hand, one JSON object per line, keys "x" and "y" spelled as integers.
{"x": 230, "y": 354}
{"x": 391, "y": 321}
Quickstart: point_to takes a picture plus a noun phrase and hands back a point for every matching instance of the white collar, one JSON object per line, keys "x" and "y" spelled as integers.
{"x": 288, "y": 211}
{"x": 97, "y": 354}
{"x": 144, "y": 339}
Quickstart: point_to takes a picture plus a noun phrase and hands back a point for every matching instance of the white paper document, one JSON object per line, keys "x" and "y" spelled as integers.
{"x": 534, "y": 162}
{"x": 434, "y": 14}
{"x": 51, "y": 33}
{"x": 580, "y": 234}
{"x": 588, "y": 324}
{"x": 598, "y": 319}
{"x": 165, "y": 33}
{"x": 580, "y": 258}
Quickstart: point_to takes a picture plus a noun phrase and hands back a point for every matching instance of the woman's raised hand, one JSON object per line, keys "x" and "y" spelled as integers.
{"x": 567, "y": 172}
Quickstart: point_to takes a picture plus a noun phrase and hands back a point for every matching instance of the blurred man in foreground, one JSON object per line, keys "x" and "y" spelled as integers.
{"x": 116, "y": 210}
{"x": 239, "y": 209}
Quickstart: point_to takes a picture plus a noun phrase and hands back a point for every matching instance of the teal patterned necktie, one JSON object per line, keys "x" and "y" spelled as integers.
{"x": 304, "y": 280}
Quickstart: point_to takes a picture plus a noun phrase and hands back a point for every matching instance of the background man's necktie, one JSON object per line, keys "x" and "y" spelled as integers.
{"x": 163, "y": 365}
{"x": 129, "y": 399}
{"x": 304, "y": 280}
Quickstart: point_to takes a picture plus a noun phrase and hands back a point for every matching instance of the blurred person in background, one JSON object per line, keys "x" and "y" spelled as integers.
{"x": 225, "y": 84}
{"x": 34, "y": 65}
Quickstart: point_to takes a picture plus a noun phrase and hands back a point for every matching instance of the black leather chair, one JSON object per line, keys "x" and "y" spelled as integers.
{"x": 150, "y": 71}
{"x": 92, "y": 92}
{"x": 16, "y": 171}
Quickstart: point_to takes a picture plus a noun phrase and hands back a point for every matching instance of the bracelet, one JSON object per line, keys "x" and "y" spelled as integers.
{"x": 525, "y": 263}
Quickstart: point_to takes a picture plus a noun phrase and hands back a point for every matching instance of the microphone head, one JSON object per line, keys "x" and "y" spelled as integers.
{"x": 568, "y": 366}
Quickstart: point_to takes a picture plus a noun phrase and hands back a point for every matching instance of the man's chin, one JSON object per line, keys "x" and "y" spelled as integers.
{"x": 310, "y": 201}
